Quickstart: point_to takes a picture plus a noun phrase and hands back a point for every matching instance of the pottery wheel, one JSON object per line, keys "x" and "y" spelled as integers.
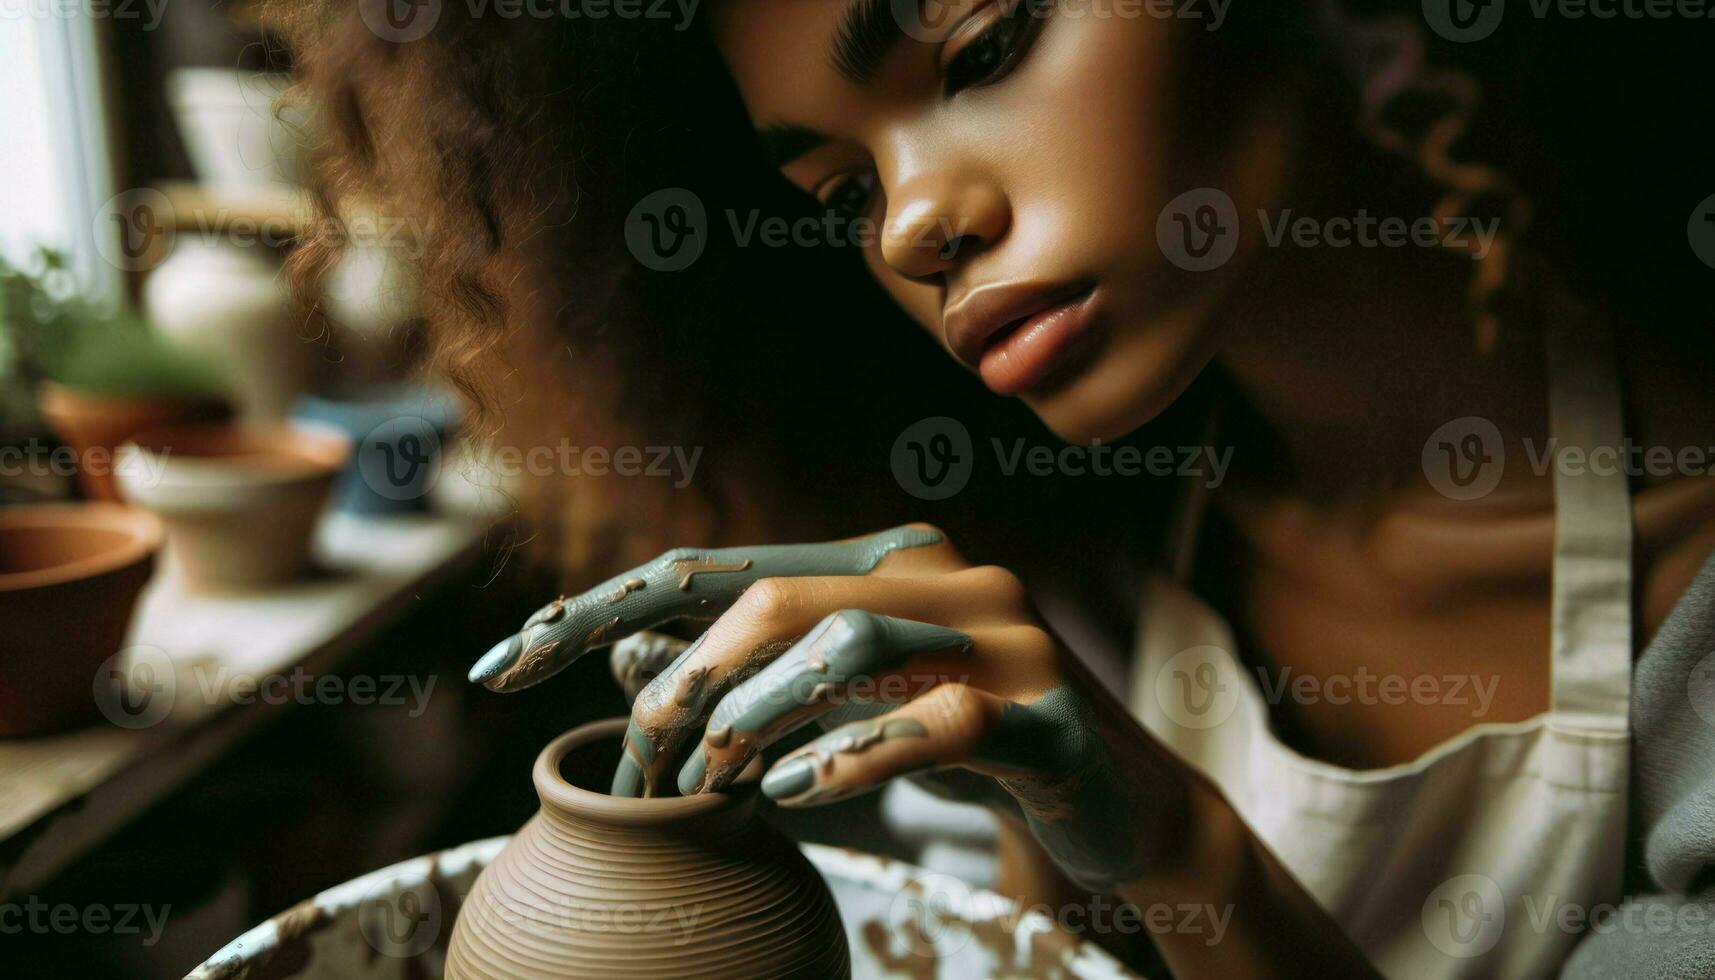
{"x": 901, "y": 921}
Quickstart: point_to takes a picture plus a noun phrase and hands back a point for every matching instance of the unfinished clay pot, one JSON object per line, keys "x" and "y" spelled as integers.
{"x": 241, "y": 503}
{"x": 69, "y": 579}
{"x": 603, "y": 886}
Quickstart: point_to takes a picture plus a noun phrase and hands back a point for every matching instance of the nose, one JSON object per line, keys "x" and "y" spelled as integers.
{"x": 936, "y": 220}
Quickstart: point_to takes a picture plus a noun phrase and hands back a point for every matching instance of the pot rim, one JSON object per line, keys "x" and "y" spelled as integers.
{"x": 321, "y": 451}
{"x": 143, "y": 529}
{"x": 59, "y": 398}
{"x": 556, "y": 791}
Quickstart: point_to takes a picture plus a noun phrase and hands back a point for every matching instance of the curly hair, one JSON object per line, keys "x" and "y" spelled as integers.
{"x": 514, "y": 149}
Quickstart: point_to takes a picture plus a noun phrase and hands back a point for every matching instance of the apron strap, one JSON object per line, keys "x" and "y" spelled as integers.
{"x": 1591, "y": 645}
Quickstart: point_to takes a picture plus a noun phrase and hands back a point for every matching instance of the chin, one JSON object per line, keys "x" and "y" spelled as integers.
{"x": 1134, "y": 379}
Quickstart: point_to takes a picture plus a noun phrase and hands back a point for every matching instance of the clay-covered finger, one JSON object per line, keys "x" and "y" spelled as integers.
{"x": 671, "y": 713}
{"x": 637, "y": 659}
{"x": 942, "y": 728}
{"x": 808, "y": 680}
{"x": 686, "y": 582}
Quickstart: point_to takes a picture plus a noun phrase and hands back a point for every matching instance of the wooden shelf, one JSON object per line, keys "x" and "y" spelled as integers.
{"x": 275, "y": 211}
{"x": 62, "y": 795}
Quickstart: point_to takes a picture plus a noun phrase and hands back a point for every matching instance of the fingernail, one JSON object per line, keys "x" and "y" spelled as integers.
{"x": 691, "y": 774}
{"x": 497, "y": 659}
{"x": 788, "y": 779}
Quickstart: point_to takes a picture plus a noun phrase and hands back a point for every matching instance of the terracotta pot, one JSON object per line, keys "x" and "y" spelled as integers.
{"x": 94, "y": 425}
{"x": 69, "y": 579}
{"x": 603, "y": 886}
{"x": 240, "y": 502}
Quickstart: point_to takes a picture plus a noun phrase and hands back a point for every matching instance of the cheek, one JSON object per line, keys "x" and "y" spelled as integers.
{"x": 1103, "y": 149}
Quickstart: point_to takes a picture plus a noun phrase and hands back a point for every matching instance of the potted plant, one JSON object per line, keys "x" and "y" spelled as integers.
{"x": 100, "y": 375}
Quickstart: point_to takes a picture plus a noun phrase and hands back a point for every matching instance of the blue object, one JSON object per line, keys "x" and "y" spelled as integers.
{"x": 396, "y": 433}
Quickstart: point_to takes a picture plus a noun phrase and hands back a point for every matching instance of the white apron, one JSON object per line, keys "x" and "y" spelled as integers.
{"x": 1482, "y": 857}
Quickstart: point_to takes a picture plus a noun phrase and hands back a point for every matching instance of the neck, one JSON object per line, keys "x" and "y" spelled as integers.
{"x": 1350, "y": 379}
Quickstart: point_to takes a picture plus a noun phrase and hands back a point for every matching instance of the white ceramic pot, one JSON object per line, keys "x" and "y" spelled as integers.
{"x": 232, "y": 130}
{"x": 371, "y": 296}
{"x": 240, "y": 503}
{"x": 226, "y": 299}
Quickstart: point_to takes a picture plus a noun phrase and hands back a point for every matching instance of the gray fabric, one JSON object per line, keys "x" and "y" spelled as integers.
{"x": 1669, "y": 933}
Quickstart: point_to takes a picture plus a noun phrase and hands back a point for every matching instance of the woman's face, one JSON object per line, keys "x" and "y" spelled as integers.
{"x": 1012, "y": 158}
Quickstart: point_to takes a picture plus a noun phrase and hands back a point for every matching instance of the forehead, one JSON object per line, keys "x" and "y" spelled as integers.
{"x": 779, "y": 54}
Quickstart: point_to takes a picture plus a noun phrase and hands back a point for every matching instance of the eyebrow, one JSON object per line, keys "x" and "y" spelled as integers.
{"x": 860, "y": 47}
{"x": 867, "y": 34}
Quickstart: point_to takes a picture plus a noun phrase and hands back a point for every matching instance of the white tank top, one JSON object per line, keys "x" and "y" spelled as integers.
{"x": 1482, "y": 857}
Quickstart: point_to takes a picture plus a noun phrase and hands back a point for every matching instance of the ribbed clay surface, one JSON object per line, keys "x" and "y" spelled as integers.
{"x": 597, "y": 886}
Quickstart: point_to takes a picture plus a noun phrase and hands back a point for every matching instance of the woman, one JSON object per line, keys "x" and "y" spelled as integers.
{"x": 1411, "y": 662}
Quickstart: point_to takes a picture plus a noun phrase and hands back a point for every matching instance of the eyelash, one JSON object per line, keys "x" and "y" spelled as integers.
{"x": 837, "y": 186}
{"x": 1009, "y": 37}
{"x": 1011, "y": 34}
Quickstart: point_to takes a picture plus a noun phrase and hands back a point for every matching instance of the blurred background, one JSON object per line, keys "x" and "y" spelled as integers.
{"x": 245, "y": 561}
{"x": 279, "y": 700}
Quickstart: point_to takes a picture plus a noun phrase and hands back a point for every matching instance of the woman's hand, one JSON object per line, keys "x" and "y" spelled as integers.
{"x": 897, "y": 619}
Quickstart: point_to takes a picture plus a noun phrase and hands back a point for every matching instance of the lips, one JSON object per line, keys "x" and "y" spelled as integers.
{"x": 1014, "y": 333}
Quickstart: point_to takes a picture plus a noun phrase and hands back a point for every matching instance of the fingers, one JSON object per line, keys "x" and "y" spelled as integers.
{"x": 942, "y": 728}
{"x": 808, "y": 680}
{"x": 767, "y": 621}
{"x": 680, "y": 583}
{"x": 637, "y": 659}
{"x": 1035, "y": 749}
